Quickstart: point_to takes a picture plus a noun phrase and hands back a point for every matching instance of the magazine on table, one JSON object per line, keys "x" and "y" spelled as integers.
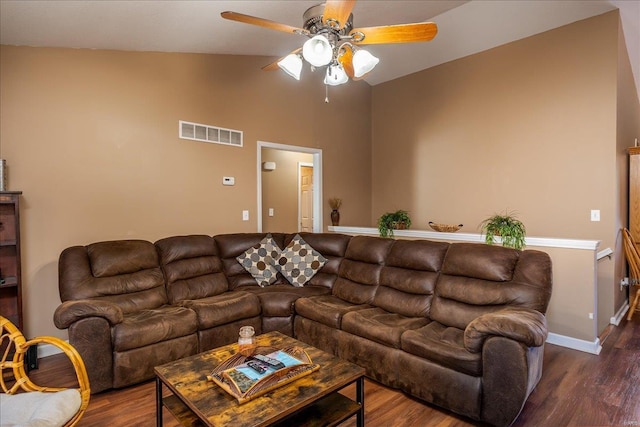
{"x": 247, "y": 377}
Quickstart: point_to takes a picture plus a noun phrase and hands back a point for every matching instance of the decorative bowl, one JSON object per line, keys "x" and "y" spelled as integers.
{"x": 445, "y": 228}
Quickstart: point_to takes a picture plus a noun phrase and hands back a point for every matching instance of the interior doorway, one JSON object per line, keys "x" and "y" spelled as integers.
{"x": 305, "y": 196}
{"x": 280, "y": 201}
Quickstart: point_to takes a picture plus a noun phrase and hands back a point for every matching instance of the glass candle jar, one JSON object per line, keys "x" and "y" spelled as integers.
{"x": 247, "y": 340}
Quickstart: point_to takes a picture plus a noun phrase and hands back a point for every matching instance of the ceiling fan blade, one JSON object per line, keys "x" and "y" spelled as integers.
{"x": 402, "y": 33}
{"x": 274, "y": 65}
{"x": 345, "y": 58}
{"x": 272, "y": 25}
{"x": 337, "y": 10}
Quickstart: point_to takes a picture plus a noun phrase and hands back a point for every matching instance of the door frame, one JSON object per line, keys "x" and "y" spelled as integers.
{"x": 317, "y": 180}
{"x": 300, "y": 166}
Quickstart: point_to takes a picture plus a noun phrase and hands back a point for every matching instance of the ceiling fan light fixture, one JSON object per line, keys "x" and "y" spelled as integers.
{"x": 292, "y": 65}
{"x": 317, "y": 51}
{"x": 334, "y": 43}
{"x": 363, "y": 62}
{"x": 335, "y": 75}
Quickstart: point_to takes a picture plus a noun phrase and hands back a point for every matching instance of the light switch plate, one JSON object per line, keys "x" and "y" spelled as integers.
{"x": 595, "y": 215}
{"x": 245, "y": 215}
{"x": 228, "y": 180}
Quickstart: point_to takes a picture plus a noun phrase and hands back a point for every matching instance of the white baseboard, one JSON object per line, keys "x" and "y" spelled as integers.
{"x": 575, "y": 344}
{"x": 45, "y": 350}
{"x": 620, "y": 314}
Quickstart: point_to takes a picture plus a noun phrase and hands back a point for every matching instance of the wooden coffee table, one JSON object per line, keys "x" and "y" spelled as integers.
{"x": 312, "y": 400}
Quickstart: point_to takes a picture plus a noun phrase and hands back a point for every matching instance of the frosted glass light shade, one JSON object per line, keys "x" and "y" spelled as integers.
{"x": 335, "y": 76}
{"x": 292, "y": 65}
{"x": 363, "y": 62}
{"x": 317, "y": 51}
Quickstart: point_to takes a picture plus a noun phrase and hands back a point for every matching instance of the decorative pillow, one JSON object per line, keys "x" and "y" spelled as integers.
{"x": 260, "y": 261}
{"x": 299, "y": 262}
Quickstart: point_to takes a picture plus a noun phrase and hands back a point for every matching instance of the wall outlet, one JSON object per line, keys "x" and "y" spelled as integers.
{"x": 624, "y": 282}
{"x": 31, "y": 357}
{"x": 228, "y": 180}
{"x": 270, "y": 211}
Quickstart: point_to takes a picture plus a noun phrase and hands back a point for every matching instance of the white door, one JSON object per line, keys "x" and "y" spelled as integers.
{"x": 306, "y": 198}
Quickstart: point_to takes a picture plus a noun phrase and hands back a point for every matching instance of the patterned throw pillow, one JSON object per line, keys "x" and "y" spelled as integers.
{"x": 299, "y": 262}
{"x": 260, "y": 261}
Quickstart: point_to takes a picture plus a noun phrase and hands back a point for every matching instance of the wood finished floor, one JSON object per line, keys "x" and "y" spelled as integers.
{"x": 577, "y": 389}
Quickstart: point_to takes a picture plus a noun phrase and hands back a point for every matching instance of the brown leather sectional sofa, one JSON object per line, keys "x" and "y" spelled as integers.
{"x": 458, "y": 325}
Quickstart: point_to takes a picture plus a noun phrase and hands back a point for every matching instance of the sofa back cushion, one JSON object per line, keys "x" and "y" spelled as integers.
{"x": 408, "y": 278}
{"x": 192, "y": 267}
{"x": 230, "y": 246}
{"x": 359, "y": 272}
{"x": 478, "y": 279}
{"x": 124, "y": 272}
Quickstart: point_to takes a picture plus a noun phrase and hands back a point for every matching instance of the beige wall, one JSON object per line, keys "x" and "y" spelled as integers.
{"x": 280, "y": 190}
{"x": 91, "y": 138}
{"x": 538, "y": 126}
{"x": 529, "y": 127}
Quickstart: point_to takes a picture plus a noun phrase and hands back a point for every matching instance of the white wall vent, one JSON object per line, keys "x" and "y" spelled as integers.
{"x": 206, "y": 133}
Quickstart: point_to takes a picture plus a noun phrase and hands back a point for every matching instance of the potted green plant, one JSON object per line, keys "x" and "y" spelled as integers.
{"x": 510, "y": 229}
{"x": 398, "y": 220}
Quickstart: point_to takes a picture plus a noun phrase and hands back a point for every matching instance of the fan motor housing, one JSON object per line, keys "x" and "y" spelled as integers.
{"x": 312, "y": 19}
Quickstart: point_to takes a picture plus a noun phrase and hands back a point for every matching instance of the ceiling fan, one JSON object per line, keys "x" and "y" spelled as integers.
{"x": 334, "y": 43}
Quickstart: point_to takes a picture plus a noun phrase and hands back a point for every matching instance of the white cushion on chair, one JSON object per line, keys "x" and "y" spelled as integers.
{"x": 39, "y": 409}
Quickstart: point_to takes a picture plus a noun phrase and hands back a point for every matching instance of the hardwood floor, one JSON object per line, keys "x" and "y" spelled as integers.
{"x": 577, "y": 389}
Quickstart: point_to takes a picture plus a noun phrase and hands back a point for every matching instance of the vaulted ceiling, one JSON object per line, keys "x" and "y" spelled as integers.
{"x": 465, "y": 27}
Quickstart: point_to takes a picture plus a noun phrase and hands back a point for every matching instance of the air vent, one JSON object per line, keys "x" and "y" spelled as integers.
{"x": 206, "y": 133}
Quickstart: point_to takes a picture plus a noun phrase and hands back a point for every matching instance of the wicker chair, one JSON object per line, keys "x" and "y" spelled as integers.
{"x": 25, "y": 403}
{"x": 632, "y": 253}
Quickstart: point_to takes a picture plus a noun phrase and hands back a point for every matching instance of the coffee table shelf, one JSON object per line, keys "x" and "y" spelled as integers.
{"x": 327, "y": 412}
{"x": 181, "y": 412}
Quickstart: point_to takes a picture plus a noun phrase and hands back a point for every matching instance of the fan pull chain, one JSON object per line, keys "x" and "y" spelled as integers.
{"x": 326, "y": 94}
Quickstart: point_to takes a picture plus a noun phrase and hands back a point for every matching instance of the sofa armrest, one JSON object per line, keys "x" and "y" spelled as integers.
{"x": 521, "y": 324}
{"x": 70, "y": 312}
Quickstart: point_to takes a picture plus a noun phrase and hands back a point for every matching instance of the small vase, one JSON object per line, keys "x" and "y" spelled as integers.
{"x": 335, "y": 217}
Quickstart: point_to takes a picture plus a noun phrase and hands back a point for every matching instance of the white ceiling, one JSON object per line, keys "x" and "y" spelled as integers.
{"x": 465, "y": 27}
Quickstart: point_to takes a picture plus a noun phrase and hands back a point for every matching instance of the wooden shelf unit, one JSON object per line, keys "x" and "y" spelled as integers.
{"x": 10, "y": 263}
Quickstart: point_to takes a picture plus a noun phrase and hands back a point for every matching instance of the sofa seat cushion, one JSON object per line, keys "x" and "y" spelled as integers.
{"x": 278, "y": 300}
{"x": 224, "y": 308}
{"x": 326, "y": 309}
{"x": 443, "y": 345}
{"x": 380, "y": 326}
{"x": 147, "y": 327}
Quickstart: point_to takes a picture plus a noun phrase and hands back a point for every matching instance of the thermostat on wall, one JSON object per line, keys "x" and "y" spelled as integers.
{"x": 228, "y": 180}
